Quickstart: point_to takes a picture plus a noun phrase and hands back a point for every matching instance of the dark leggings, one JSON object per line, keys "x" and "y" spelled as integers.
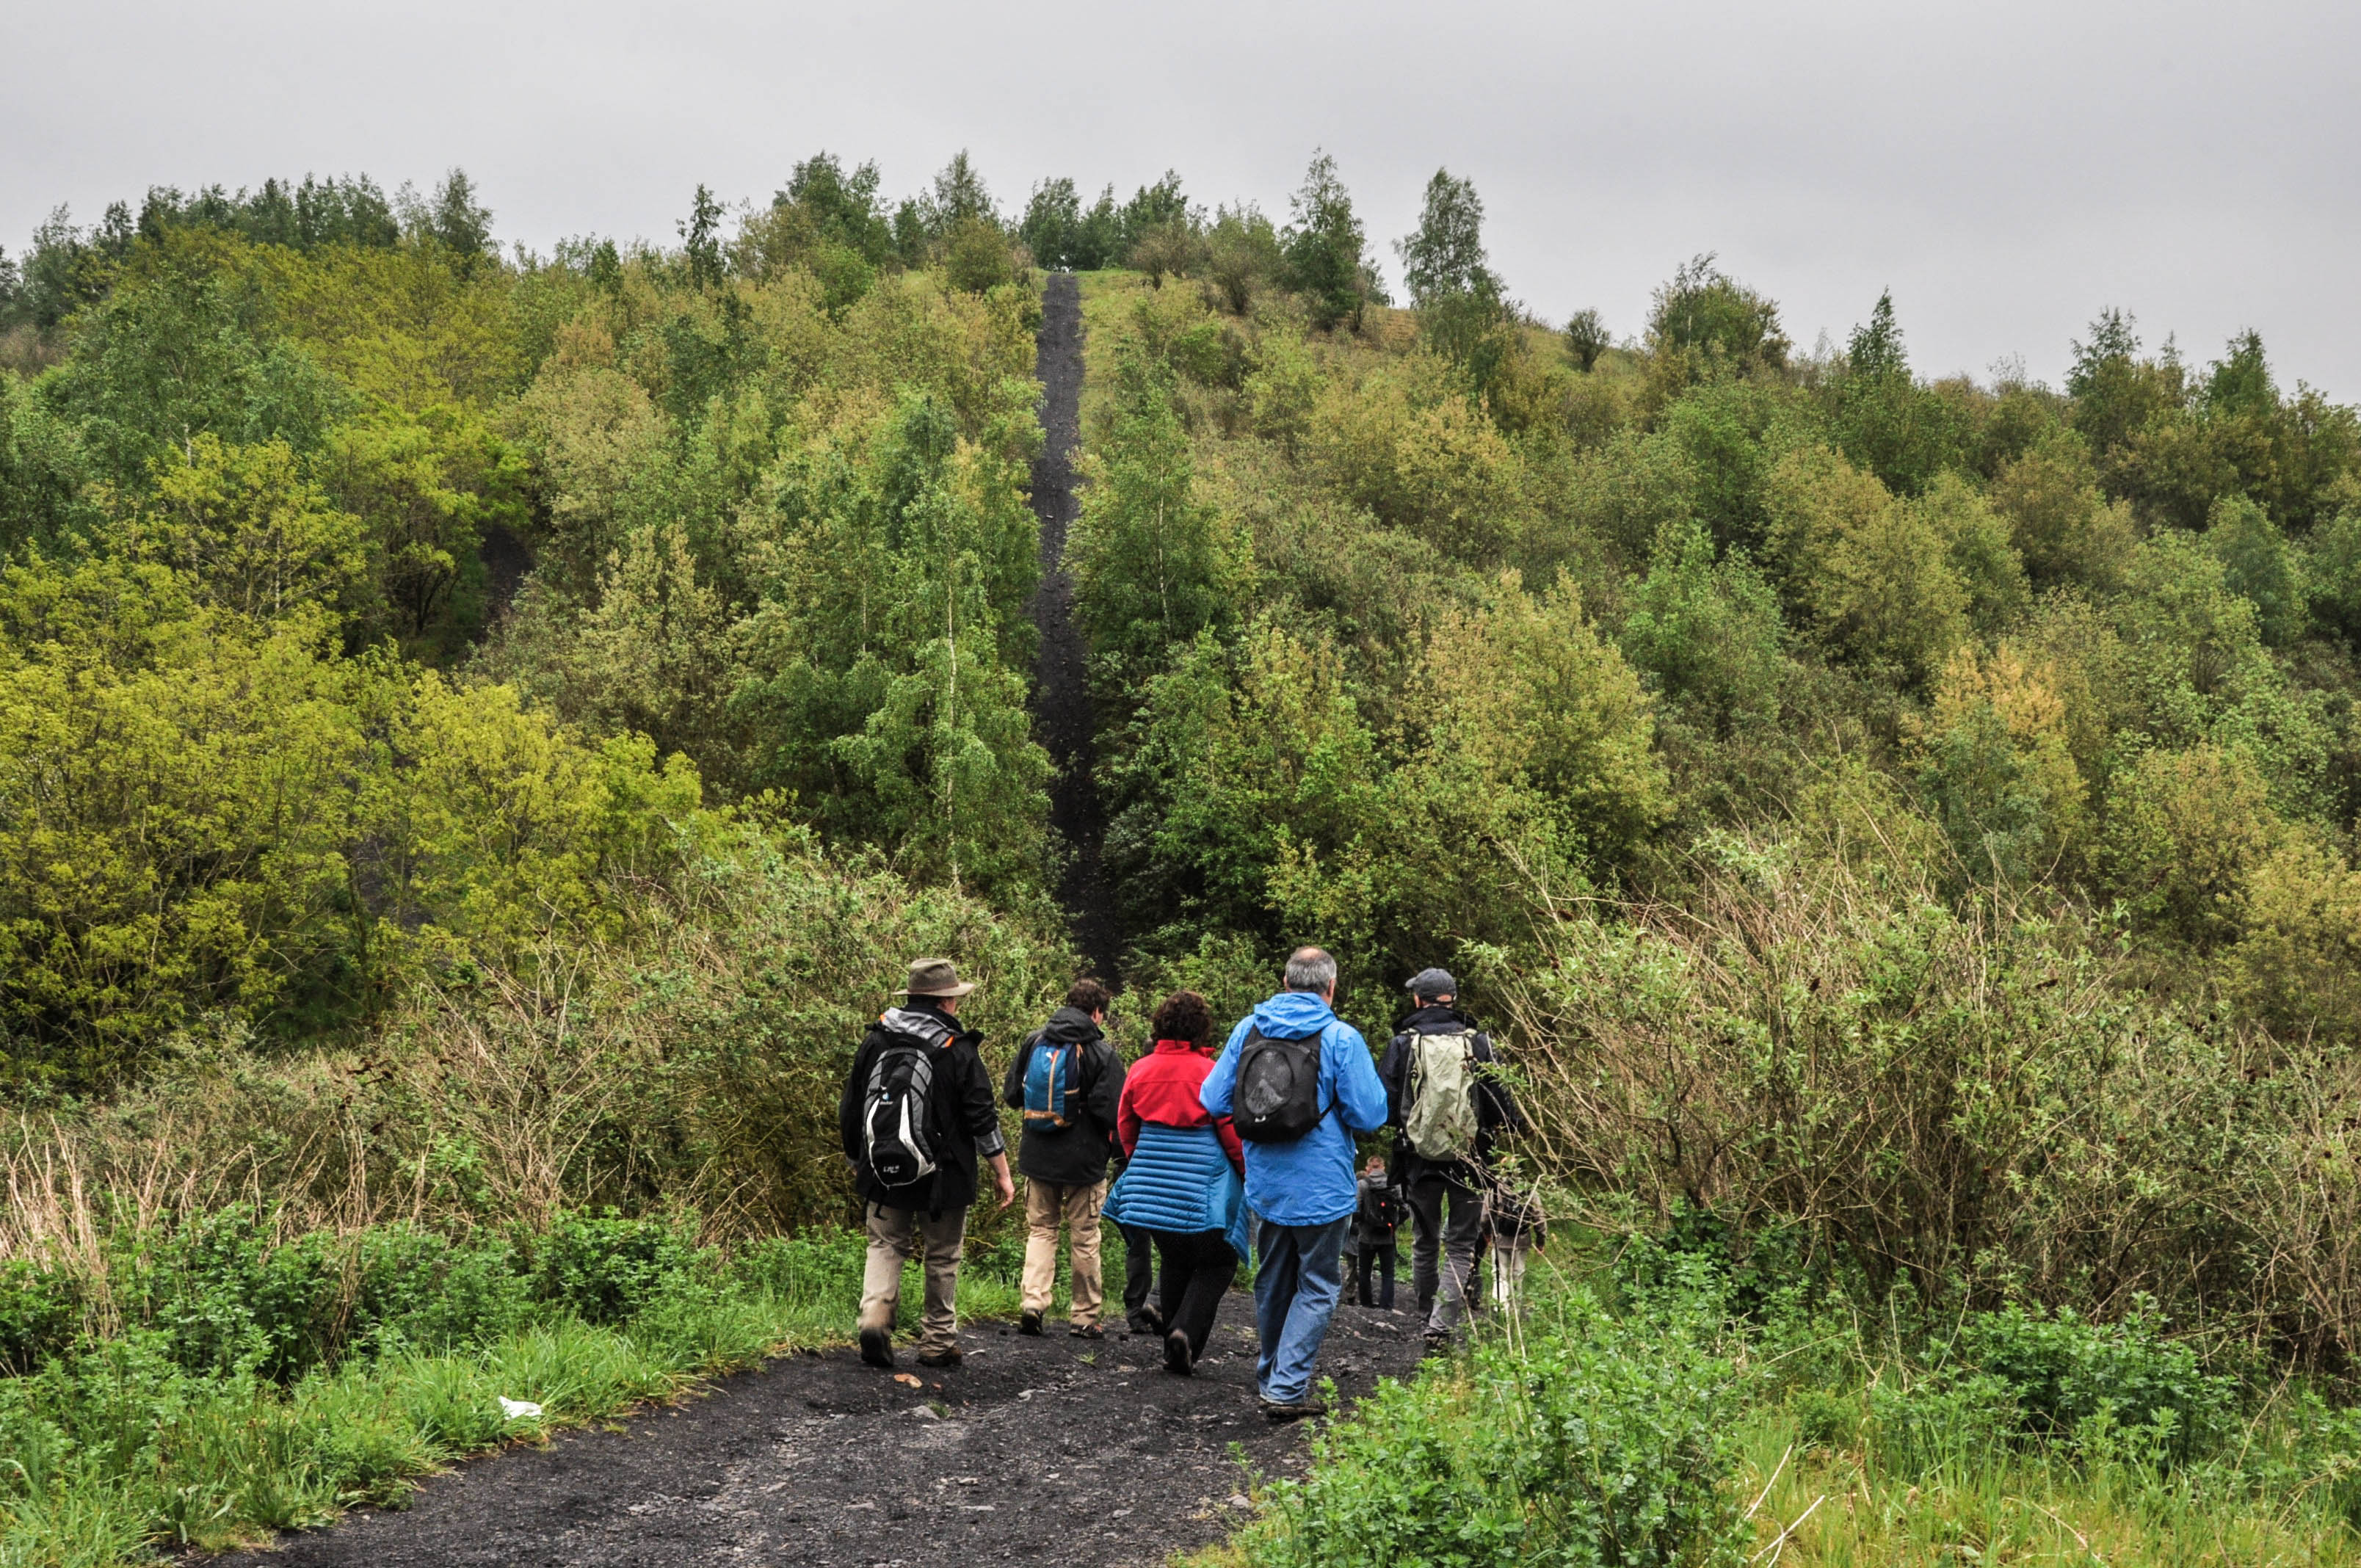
{"x": 1138, "y": 1270}
{"x": 1383, "y": 1258}
{"x": 1198, "y": 1268}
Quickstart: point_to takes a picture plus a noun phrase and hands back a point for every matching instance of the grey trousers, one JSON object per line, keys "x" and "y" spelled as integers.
{"x": 1453, "y": 1236}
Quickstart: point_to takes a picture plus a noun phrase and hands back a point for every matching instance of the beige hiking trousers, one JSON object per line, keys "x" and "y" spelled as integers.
{"x": 896, "y": 1235}
{"x": 1046, "y": 1205}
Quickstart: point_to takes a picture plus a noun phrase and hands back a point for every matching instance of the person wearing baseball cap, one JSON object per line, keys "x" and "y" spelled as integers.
{"x": 917, "y": 1109}
{"x": 1448, "y": 1106}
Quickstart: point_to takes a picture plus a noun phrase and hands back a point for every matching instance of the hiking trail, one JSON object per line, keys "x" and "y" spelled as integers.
{"x": 1062, "y": 719}
{"x": 1056, "y": 1450}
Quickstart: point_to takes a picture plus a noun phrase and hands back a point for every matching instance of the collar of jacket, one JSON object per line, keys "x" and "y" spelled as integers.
{"x": 1293, "y": 1016}
{"x": 1434, "y": 1018}
{"x": 1071, "y": 1026}
{"x": 931, "y": 1024}
{"x": 1182, "y": 1047}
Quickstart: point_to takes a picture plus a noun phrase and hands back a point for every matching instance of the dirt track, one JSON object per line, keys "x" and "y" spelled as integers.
{"x": 1062, "y": 701}
{"x": 1045, "y": 1451}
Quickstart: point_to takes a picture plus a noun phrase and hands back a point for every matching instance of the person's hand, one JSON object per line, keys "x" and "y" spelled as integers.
{"x": 1002, "y": 1182}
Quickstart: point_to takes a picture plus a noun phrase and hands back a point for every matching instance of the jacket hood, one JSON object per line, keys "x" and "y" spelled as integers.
{"x": 1186, "y": 1048}
{"x": 1434, "y": 1018}
{"x": 1071, "y": 1026}
{"x": 1293, "y": 1014}
{"x": 924, "y": 1022}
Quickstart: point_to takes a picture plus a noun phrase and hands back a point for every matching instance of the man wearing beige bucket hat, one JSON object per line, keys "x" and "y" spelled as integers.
{"x": 917, "y": 1112}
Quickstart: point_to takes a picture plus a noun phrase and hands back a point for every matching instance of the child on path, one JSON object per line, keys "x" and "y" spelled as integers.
{"x": 1373, "y": 1226}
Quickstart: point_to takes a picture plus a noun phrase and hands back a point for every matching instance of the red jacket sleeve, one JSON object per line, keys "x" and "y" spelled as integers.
{"x": 1229, "y": 1137}
{"x": 1126, "y": 1116}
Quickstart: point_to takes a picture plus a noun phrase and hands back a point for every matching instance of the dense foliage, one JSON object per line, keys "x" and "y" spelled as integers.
{"x": 479, "y": 730}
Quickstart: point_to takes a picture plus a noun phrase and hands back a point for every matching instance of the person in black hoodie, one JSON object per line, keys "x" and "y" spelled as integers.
{"x": 1430, "y": 1185}
{"x": 884, "y": 1118}
{"x": 1064, "y": 1151}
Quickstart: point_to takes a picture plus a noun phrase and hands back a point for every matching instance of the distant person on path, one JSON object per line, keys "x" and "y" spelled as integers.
{"x": 918, "y": 1109}
{"x": 1184, "y": 1184}
{"x": 1065, "y": 1079}
{"x": 1449, "y": 1106}
{"x": 1374, "y": 1224}
{"x": 1299, "y": 1083}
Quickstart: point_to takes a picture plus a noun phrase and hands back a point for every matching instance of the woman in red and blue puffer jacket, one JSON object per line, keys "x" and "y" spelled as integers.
{"x": 1185, "y": 1183}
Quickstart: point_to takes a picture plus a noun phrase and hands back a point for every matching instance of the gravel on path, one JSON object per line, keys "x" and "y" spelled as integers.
{"x": 1054, "y": 1450}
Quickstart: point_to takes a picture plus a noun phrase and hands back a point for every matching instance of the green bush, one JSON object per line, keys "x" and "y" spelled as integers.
{"x": 2062, "y": 1371}
{"x": 39, "y": 1314}
{"x": 1589, "y": 1440}
{"x": 2021, "y": 1377}
{"x": 604, "y": 1269}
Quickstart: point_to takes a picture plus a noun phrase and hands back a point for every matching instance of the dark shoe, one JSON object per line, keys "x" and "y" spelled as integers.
{"x": 1296, "y": 1410}
{"x": 940, "y": 1358}
{"x": 1147, "y": 1325}
{"x": 1030, "y": 1323}
{"x": 1176, "y": 1354}
{"x": 877, "y": 1347}
{"x": 1437, "y": 1342}
{"x": 1085, "y": 1331}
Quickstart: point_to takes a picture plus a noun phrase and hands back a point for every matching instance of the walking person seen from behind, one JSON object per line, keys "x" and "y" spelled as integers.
{"x": 1449, "y": 1105}
{"x": 1183, "y": 1185}
{"x": 917, "y": 1109}
{"x": 1299, "y": 1084}
{"x": 1065, "y": 1079}
{"x": 1374, "y": 1223}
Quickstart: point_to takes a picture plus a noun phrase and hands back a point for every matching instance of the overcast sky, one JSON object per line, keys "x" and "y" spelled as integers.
{"x": 2007, "y": 167}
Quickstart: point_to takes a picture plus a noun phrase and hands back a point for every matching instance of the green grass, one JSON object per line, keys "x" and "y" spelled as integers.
{"x": 252, "y": 1385}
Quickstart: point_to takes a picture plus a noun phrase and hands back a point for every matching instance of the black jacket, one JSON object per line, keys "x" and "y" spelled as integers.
{"x": 1496, "y": 1108}
{"x": 964, "y": 1122}
{"x": 1075, "y": 1154}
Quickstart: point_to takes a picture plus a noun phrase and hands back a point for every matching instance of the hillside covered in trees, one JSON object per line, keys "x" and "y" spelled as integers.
{"x": 479, "y": 730}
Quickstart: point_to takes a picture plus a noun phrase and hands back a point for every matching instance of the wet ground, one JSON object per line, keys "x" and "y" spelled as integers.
{"x": 1051, "y": 1451}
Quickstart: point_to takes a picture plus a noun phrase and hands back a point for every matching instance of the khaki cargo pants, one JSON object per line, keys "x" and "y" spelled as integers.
{"x": 1045, "y": 1204}
{"x": 896, "y": 1235}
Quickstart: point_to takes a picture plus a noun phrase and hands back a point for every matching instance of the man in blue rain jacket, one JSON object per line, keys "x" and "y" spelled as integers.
{"x": 1305, "y": 1191}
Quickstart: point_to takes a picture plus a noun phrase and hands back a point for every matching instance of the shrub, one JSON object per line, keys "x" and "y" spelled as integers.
{"x": 604, "y": 1269}
{"x": 40, "y": 1312}
{"x": 1592, "y": 1441}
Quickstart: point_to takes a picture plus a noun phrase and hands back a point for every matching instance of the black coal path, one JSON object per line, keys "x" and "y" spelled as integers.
{"x": 1061, "y": 698}
{"x": 1051, "y": 1450}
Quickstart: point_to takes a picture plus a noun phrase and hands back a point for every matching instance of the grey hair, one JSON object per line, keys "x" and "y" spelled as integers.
{"x": 1310, "y": 969}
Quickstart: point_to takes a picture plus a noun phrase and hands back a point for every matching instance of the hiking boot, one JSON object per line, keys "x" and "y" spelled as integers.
{"x": 1145, "y": 1326}
{"x": 1085, "y": 1331}
{"x": 877, "y": 1347}
{"x": 1177, "y": 1357}
{"x": 1437, "y": 1342}
{"x": 1030, "y": 1323}
{"x": 1293, "y": 1409}
{"x": 940, "y": 1358}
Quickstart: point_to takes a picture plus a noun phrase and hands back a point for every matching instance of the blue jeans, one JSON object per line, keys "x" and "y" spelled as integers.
{"x": 1298, "y": 1278}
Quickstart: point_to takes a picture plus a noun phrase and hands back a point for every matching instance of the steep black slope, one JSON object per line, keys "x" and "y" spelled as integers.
{"x": 1062, "y": 701}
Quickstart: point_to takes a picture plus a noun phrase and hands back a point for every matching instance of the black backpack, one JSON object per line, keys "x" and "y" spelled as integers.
{"x": 1278, "y": 1098}
{"x": 897, "y": 1135}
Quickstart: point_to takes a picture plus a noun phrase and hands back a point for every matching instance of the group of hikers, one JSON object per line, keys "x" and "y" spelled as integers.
{"x": 1250, "y": 1149}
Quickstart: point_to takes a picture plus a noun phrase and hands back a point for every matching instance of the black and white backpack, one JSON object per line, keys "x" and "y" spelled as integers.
{"x": 897, "y": 1136}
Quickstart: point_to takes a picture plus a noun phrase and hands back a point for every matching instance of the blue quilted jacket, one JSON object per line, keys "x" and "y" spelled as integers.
{"x": 1180, "y": 1180}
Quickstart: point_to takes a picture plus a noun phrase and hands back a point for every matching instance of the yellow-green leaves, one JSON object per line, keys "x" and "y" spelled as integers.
{"x": 257, "y": 535}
